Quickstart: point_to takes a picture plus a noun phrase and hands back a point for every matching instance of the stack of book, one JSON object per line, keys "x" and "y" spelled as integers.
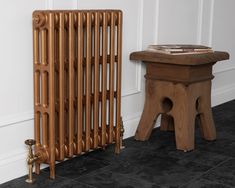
{"x": 179, "y": 49}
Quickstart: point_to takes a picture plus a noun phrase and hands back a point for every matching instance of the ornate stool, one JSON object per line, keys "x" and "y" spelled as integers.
{"x": 179, "y": 88}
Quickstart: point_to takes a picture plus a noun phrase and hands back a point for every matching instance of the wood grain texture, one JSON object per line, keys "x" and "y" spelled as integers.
{"x": 167, "y": 123}
{"x": 179, "y": 88}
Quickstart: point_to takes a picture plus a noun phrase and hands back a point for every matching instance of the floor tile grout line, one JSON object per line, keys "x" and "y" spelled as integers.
{"x": 197, "y": 177}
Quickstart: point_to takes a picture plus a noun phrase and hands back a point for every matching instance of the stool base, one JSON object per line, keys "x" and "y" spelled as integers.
{"x": 179, "y": 104}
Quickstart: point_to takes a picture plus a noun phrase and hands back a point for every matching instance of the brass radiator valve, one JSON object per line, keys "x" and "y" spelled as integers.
{"x": 31, "y": 159}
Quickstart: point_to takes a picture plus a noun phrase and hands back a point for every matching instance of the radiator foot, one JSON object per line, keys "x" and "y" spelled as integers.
{"x": 52, "y": 171}
{"x": 37, "y": 168}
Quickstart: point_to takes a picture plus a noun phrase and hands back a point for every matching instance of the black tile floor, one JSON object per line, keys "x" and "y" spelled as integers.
{"x": 152, "y": 164}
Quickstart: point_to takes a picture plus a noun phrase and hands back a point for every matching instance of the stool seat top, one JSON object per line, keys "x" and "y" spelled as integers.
{"x": 192, "y": 59}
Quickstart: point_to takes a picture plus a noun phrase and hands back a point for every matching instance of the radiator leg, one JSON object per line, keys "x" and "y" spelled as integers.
{"x": 37, "y": 168}
{"x": 117, "y": 148}
{"x": 52, "y": 171}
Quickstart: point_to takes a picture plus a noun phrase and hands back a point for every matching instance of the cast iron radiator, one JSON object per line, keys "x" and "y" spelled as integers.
{"x": 77, "y": 83}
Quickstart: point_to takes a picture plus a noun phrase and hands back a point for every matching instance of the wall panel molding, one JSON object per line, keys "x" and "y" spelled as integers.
{"x": 75, "y": 4}
{"x": 156, "y": 29}
{"x": 211, "y": 22}
{"x": 200, "y": 20}
{"x": 137, "y": 88}
{"x": 49, "y": 4}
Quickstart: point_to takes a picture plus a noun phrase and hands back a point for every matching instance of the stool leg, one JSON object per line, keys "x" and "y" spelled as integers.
{"x": 184, "y": 113}
{"x": 150, "y": 112}
{"x": 184, "y": 130}
{"x": 206, "y": 117}
{"x": 207, "y": 126}
{"x": 167, "y": 123}
{"x": 146, "y": 124}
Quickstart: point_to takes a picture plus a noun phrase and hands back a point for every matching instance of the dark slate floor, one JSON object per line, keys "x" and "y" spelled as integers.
{"x": 155, "y": 163}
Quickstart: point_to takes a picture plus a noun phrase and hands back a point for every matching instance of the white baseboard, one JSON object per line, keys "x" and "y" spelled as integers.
{"x": 223, "y": 94}
{"x": 13, "y": 166}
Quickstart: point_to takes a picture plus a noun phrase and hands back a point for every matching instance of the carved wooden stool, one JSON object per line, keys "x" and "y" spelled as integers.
{"x": 179, "y": 88}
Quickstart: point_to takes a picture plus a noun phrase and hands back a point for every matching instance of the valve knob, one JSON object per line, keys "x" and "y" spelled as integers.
{"x": 30, "y": 142}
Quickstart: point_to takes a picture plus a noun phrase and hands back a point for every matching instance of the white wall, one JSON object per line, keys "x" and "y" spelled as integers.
{"x": 145, "y": 22}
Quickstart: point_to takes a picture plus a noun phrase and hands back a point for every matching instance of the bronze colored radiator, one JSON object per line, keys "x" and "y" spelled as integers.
{"x": 77, "y": 83}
